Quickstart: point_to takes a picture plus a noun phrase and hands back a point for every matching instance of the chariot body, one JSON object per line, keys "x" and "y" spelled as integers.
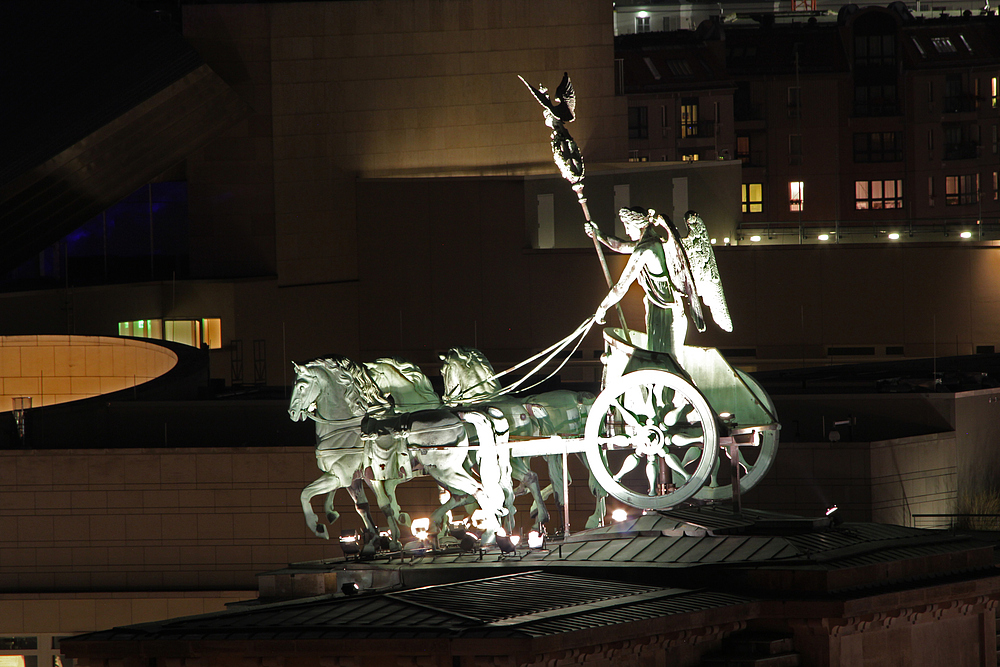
{"x": 664, "y": 431}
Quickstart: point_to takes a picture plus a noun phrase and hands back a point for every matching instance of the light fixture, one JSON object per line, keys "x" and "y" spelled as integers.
{"x": 823, "y": 237}
{"x": 507, "y": 543}
{"x": 384, "y": 540}
{"x": 536, "y": 540}
{"x": 755, "y": 238}
{"x": 350, "y": 588}
{"x": 350, "y": 542}
{"x": 643, "y": 15}
{"x": 619, "y": 515}
{"x": 466, "y": 540}
{"x": 894, "y": 236}
{"x": 419, "y": 528}
{"x": 713, "y": 241}
{"x": 966, "y": 235}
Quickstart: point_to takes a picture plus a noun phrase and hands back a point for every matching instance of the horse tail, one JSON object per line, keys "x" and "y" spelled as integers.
{"x": 494, "y": 457}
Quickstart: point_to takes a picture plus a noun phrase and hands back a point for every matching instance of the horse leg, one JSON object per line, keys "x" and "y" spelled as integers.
{"x": 327, "y": 483}
{"x": 385, "y": 496}
{"x": 596, "y": 520}
{"x": 361, "y": 506}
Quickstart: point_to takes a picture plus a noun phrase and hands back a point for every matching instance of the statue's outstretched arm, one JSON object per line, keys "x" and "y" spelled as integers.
{"x": 613, "y": 242}
{"x": 631, "y": 272}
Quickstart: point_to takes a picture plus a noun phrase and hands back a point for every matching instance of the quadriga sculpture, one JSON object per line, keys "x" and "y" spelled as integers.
{"x": 360, "y": 438}
{"x": 469, "y": 381}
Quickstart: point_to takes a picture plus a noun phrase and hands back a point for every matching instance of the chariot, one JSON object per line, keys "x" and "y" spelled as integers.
{"x": 664, "y": 431}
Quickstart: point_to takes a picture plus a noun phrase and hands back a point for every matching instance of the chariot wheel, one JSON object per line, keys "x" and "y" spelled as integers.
{"x": 652, "y": 440}
{"x": 754, "y": 461}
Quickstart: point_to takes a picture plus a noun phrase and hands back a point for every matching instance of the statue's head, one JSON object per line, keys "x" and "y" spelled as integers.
{"x": 636, "y": 220}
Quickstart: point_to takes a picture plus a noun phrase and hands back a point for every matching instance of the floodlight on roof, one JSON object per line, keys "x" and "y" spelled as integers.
{"x": 536, "y": 540}
{"x": 966, "y": 235}
{"x": 420, "y": 528}
{"x": 506, "y": 542}
{"x": 350, "y": 542}
{"x": 893, "y": 236}
{"x": 619, "y": 515}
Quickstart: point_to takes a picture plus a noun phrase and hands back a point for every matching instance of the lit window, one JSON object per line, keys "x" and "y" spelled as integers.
{"x": 753, "y": 201}
{"x": 12, "y": 660}
{"x": 878, "y": 194}
{"x": 689, "y": 117}
{"x": 633, "y": 156}
{"x": 965, "y": 43}
{"x": 796, "y": 196}
{"x": 996, "y": 186}
{"x": 943, "y": 45}
{"x": 923, "y": 54}
{"x": 690, "y": 157}
{"x": 188, "y": 332}
{"x": 642, "y": 23}
{"x": 993, "y": 92}
{"x": 961, "y": 189}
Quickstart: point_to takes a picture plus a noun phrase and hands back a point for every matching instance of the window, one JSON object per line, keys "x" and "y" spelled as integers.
{"x": 641, "y": 24}
{"x": 876, "y": 100}
{"x": 930, "y": 191}
{"x": 633, "y": 156}
{"x": 689, "y": 117}
{"x": 956, "y": 98}
{"x": 961, "y": 140}
{"x": 943, "y": 45}
{"x": 878, "y": 147}
{"x": 996, "y": 140}
{"x": 796, "y": 196}
{"x": 996, "y": 186}
{"x": 878, "y": 194}
{"x": 690, "y": 157}
{"x": 753, "y": 201}
{"x": 993, "y": 92}
{"x": 961, "y": 189}
{"x": 794, "y": 101}
{"x": 875, "y": 50}
{"x": 743, "y": 148}
{"x": 638, "y": 123}
{"x": 794, "y": 149}
{"x": 197, "y": 333}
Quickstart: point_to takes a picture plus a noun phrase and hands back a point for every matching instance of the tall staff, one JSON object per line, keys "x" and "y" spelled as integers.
{"x": 566, "y": 153}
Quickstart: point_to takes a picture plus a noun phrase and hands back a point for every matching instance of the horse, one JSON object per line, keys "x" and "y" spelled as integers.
{"x": 469, "y": 379}
{"x": 360, "y": 439}
{"x": 411, "y": 390}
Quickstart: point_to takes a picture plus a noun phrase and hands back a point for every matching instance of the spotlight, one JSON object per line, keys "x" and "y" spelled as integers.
{"x": 619, "y": 515}
{"x": 466, "y": 540}
{"x": 507, "y": 543}
{"x": 350, "y": 588}
{"x": 350, "y": 542}
{"x": 755, "y": 238}
{"x": 713, "y": 241}
{"x": 966, "y": 235}
{"x": 834, "y": 515}
{"x": 384, "y": 540}
{"x": 894, "y": 236}
{"x": 823, "y": 237}
{"x": 536, "y": 540}
{"x": 419, "y": 528}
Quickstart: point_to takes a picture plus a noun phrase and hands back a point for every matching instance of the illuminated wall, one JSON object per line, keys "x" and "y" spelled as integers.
{"x": 57, "y": 369}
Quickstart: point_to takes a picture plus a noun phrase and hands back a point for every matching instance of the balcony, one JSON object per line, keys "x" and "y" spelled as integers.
{"x": 962, "y": 103}
{"x": 961, "y": 150}
{"x": 703, "y": 129}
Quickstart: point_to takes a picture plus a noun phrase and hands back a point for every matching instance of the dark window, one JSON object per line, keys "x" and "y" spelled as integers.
{"x": 878, "y": 147}
{"x": 638, "y": 123}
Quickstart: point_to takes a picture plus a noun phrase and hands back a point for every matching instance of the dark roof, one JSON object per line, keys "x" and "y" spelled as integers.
{"x": 530, "y": 604}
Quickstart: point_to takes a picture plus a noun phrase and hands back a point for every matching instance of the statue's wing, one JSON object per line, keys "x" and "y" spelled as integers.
{"x": 564, "y": 93}
{"x": 680, "y": 273}
{"x": 539, "y": 95}
{"x": 705, "y": 270}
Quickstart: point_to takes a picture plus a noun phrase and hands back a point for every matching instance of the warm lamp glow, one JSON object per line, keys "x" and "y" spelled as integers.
{"x": 420, "y": 527}
{"x": 966, "y": 235}
{"x": 755, "y": 238}
{"x": 619, "y": 515}
{"x": 824, "y": 237}
{"x": 894, "y": 236}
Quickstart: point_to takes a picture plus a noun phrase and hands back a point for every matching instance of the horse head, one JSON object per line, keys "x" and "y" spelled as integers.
{"x": 334, "y": 389}
{"x": 408, "y": 386}
{"x": 468, "y": 375}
